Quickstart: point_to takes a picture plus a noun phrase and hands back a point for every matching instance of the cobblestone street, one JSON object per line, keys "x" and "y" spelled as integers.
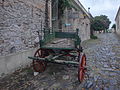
{"x": 103, "y": 61}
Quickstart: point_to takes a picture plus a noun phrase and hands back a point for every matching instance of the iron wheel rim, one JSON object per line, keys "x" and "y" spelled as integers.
{"x": 81, "y": 68}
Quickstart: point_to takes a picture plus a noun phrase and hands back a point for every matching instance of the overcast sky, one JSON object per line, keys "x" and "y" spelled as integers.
{"x": 102, "y": 7}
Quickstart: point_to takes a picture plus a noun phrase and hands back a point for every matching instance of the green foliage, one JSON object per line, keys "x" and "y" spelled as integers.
{"x": 114, "y": 26}
{"x": 100, "y": 23}
{"x": 2, "y": 74}
{"x": 93, "y": 37}
{"x": 63, "y": 4}
{"x": 108, "y": 31}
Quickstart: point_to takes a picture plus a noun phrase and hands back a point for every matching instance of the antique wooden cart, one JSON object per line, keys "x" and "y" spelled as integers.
{"x": 55, "y": 47}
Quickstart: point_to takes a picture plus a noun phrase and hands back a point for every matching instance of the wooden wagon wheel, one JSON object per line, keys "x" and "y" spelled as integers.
{"x": 82, "y": 67}
{"x": 40, "y": 66}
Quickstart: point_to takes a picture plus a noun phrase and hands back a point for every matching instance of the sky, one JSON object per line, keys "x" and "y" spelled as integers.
{"x": 102, "y": 7}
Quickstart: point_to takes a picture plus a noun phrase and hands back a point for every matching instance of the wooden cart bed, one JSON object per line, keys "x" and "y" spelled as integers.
{"x": 60, "y": 43}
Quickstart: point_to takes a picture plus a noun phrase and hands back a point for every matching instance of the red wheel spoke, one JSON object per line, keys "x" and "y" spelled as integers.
{"x": 39, "y": 66}
{"x": 39, "y": 53}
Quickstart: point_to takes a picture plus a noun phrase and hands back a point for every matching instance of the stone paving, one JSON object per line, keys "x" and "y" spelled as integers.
{"x": 103, "y": 60}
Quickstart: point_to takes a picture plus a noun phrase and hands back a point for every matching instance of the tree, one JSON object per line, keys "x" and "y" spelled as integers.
{"x": 114, "y": 26}
{"x": 101, "y": 22}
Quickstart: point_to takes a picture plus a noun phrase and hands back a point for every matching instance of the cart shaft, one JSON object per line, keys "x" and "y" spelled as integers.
{"x": 55, "y": 61}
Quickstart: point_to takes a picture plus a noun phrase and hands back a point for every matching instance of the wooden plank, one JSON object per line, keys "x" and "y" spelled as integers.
{"x": 54, "y": 61}
{"x": 60, "y": 43}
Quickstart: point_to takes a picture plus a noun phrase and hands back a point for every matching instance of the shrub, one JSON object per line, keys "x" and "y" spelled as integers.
{"x": 93, "y": 37}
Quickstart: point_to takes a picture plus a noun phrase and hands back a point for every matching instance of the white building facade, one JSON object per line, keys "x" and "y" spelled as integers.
{"x": 117, "y": 20}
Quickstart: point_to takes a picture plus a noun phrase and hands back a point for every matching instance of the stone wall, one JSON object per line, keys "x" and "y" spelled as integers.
{"x": 84, "y": 28}
{"x": 82, "y": 23}
{"x": 19, "y": 21}
{"x": 12, "y": 62}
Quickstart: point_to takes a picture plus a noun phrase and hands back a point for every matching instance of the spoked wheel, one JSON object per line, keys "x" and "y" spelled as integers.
{"x": 40, "y": 66}
{"x": 82, "y": 67}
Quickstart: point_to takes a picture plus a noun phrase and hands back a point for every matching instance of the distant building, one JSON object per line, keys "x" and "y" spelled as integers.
{"x": 117, "y": 20}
